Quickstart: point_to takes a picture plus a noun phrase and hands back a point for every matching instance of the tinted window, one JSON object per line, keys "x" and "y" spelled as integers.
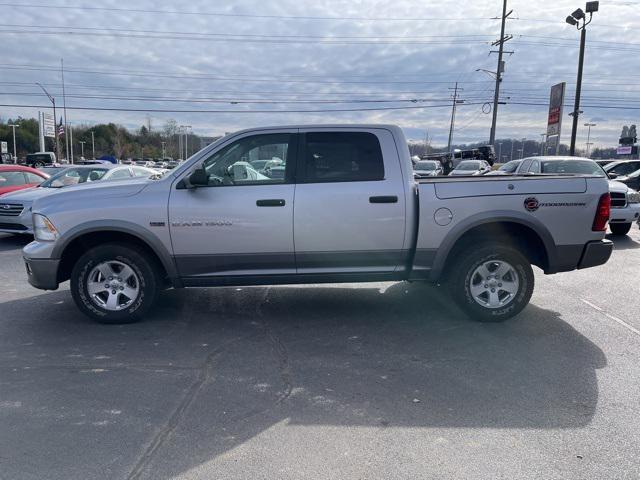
{"x": 11, "y": 179}
{"x": 234, "y": 164}
{"x": 535, "y": 167}
{"x": 426, "y": 165}
{"x": 624, "y": 168}
{"x": 510, "y": 167}
{"x": 343, "y": 157}
{"x": 468, "y": 166}
{"x": 572, "y": 167}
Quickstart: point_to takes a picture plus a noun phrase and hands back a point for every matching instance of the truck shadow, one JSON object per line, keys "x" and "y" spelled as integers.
{"x": 388, "y": 355}
{"x": 13, "y": 242}
{"x": 624, "y": 242}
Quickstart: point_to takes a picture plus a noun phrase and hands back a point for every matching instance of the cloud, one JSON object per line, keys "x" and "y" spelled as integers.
{"x": 312, "y": 60}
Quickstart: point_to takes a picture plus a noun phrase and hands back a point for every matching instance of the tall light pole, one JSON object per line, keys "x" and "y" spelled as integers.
{"x": 13, "y": 127}
{"x": 589, "y": 125}
{"x": 163, "y": 143}
{"x": 186, "y": 140}
{"x": 512, "y": 149}
{"x": 499, "y": 151}
{"x": 81, "y": 148}
{"x": 93, "y": 145}
{"x": 543, "y": 142}
{"x": 522, "y": 154}
{"x": 53, "y": 102}
{"x": 575, "y": 19}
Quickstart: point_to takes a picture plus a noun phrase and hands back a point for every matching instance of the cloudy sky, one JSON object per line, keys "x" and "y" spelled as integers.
{"x": 225, "y": 65}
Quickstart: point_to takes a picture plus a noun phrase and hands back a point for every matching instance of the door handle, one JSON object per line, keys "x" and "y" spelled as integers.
{"x": 276, "y": 202}
{"x": 384, "y": 199}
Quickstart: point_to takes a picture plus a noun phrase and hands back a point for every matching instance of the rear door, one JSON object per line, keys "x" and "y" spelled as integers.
{"x": 349, "y": 206}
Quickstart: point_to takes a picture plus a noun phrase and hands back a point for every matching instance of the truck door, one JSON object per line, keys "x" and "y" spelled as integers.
{"x": 242, "y": 222}
{"x": 350, "y": 204}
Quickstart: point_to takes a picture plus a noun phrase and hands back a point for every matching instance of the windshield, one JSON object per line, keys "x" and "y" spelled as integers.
{"x": 468, "y": 166}
{"x": 574, "y": 167}
{"x": 426, "y": 165}
{"x": 74, "y": 176}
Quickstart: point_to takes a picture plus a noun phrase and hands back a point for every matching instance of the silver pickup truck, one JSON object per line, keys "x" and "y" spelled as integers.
{"x": 343, "y": 207}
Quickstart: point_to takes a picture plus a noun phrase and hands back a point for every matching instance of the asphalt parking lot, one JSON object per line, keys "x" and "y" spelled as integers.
{"x": 330, "y": 381}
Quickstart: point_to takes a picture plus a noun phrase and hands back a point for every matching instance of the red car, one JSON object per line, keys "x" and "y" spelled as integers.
{"x": 16, "y": 177}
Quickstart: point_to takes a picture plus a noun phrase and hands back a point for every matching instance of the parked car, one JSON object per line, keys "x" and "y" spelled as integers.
{"x": 625, "y": 202}
{"x": 6, "y": 159}
{"x": 632, "y": 180}
{"x": 346, "y": 211}
{"x": 40, "y": 159}
{"x": 622, "y": 168}
{"x": 427, "y": 168}
{"x": 604, "y": 162}
{"x": 20, "y": 202}
{"x": 17, "y": 177}
{"x": 471, "y": 167}
{"x": 508, "y": 168}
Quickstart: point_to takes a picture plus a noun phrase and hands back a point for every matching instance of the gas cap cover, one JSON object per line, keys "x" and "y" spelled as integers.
{"x": 443, "y": 217}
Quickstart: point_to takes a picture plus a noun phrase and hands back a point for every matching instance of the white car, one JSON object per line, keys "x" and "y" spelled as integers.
{"x": 15, "y": 208}
{"x": 471, "y": 167}
{"x": 625, "y": 208}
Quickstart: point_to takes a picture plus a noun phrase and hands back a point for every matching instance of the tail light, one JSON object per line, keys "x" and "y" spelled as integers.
{"x": 602, "y": 213}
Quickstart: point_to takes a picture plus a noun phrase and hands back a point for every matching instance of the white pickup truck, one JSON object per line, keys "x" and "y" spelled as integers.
{"x": 347, "y": 209}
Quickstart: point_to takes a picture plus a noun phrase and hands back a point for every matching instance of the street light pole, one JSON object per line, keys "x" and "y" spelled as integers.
{"x": 512, "y": 149}
{"x": 543, "y": 142}
{"x": 574, "y": 19}
{"x": 163, "y": 143}
{"x": 13, "y": 127}
{"x": 82, "y": 148}
{"x": 93, "y": 145}
{"x": 589, "y": 125}
{"x": 522, "y": 155}
{"x": 53, "y": 102}
{"x": 499, "y": 151}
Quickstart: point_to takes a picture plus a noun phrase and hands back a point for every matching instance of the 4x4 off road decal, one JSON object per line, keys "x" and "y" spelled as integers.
{"x": 531, "y": 204}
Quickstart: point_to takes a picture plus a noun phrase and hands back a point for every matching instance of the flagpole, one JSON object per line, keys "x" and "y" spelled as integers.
{"x": 64, "y": 105}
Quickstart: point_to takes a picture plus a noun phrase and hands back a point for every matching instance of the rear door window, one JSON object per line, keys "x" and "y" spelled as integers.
{"x": 11, "y": 179}
{"x": 342, "y": 157}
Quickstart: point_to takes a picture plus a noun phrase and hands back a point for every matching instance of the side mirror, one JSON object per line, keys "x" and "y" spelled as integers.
{"x": 612, "y": 175}
{"x": 197, "y": 178}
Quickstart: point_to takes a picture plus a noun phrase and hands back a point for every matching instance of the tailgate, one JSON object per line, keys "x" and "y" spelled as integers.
{"x": 486, "y": 186}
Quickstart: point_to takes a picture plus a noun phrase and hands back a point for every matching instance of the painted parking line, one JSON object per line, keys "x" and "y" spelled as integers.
{"x": 612, "y": 317}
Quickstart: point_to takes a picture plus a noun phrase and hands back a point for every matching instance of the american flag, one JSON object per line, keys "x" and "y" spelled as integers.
{"x": 61, "y": 128}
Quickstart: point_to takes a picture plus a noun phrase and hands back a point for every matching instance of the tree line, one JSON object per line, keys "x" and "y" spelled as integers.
{"x": 109, "y": 138}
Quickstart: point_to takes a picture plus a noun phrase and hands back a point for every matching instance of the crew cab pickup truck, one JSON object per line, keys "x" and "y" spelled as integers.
{"x": 346, "y": 210}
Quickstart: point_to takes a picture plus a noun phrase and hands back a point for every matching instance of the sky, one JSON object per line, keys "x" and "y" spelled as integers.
{"x": 223, "y": 66}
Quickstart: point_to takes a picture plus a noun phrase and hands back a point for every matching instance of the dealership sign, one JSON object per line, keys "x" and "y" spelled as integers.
{"x": 49, "y": 125}
{"x": 626, "y": 150}
{"x": 554, "y": 120}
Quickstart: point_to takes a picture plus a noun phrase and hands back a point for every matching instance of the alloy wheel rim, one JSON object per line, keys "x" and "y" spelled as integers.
{"x": 113, "y": 285}
{"x": 494, "y": 284}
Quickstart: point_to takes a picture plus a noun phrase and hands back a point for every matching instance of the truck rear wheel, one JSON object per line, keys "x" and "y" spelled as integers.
{"x": 620, "y": 228}
{"x": 492, "y": 283}
{"x": 114, "y": 283}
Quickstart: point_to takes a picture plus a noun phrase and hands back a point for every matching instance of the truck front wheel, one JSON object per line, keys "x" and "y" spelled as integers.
{"x": 114, "y": 283}
{"x": 492, "y": 283}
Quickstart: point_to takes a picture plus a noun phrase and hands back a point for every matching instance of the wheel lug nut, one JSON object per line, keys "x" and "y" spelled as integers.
{"x": 119, "y": 279}
{"x": 493, "y": 290}
{"x": 499, "y": 284}
{"x": 121, "y": 288}
{"x": 106, "y": 286}
{"x": 113, "y": 292}
{"x": 486, "y": 286}
{"x": 110, "y": 278}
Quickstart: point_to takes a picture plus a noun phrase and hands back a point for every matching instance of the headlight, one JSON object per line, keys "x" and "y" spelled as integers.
{"x": 43, "y": 229}
{"x": 633, "y": 197}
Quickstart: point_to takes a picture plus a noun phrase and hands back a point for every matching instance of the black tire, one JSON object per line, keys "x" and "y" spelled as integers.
{"x": 460, "y": 281}
{"x": 38, "y": 165}
{"x": 148, "y": 282}
{"x": 620, "y": 228}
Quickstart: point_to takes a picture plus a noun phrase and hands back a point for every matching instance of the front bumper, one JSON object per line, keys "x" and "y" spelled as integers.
{"x": 42, "y": 273}
{"x": 596, "y": 253}
{"x": 628, "y": 214}
{"x": 22, "y": 224}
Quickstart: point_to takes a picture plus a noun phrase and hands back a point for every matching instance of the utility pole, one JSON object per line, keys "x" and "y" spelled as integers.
{"x": 453, "y": 116}
{"x": 13, "y": 127}
{"x": 71, "y": 142}
{"x": 93, "y": 145}
{"x": 589, "y": 125}
{"x": 574, "y": 19}
{"x": 500, "y": 44}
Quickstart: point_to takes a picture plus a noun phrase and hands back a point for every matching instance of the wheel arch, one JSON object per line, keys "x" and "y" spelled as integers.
{"x": 528, "y": 235}
{"x": 86, "y": 236}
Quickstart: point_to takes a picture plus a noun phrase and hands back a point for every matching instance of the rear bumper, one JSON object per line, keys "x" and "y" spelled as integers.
{"x": 596, "y": 253}
{"x": 42, "y": 273}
